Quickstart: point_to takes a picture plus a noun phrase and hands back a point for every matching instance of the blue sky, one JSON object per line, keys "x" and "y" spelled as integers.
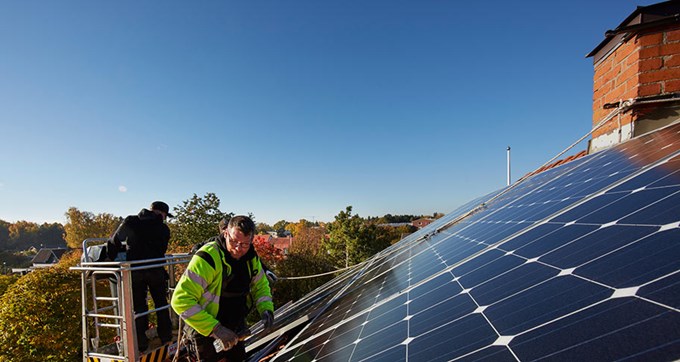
{"x": 287, "y": 109}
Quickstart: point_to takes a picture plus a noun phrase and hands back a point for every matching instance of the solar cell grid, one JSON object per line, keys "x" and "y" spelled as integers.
{"x": 579, "y": 263}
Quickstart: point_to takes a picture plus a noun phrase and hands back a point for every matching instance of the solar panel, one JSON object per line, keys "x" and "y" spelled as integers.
{"x": 580, "y": 262}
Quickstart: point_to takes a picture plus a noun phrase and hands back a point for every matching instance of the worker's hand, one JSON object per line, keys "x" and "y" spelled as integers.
{"x": 226, "y": 335}
{"x": 267, "y": 319}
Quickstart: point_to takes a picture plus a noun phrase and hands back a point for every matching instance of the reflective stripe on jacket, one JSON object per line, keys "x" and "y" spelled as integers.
{"x": 197, "y": 295}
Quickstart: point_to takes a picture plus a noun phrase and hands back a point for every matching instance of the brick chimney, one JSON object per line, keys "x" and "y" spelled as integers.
{"x": 637, "y": 72}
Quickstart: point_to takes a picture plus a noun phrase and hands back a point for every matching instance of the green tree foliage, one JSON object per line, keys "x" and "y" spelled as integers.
{"x": 4, "y": 235}
{"x": 24, "y": 234}
{"x": 390, "y": 235}
{"x": 263, "y": 228}
{"x": 40, "y": 317}
{"x": 344, "y": 244}
{"x": 280, "y": 227}
{"x": 82, "y": 225}
{"x": 195, "y": 220}
{"x": 353, "y": 239}
{"x": 6, "y": 281}
{"x": 300, "y": 263}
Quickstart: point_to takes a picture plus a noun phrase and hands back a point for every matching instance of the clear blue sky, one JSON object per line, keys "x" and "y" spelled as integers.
{"x": 287, "y": 109}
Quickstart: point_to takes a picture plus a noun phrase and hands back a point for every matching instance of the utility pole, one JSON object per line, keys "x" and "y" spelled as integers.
{"x": 508, "y": 184}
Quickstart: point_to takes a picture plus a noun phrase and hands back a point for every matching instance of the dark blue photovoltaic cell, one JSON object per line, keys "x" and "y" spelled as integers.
{"x": 598, "y": 243}
{"x": 511, "y": 282}
{"x": 491, "y": 354}
{"x": 378, "y": 322}
{"x": 456, "y": 249}
{"x": 587, "y": 208}
{"x": 664, "y": 212}
{"x": 444, "y": 342}
{"x": 394, "y": 354}
{"x": 544, "y": 302}
{"x": 342, "y": 337}
{"x": 336, "y": 353}
{"x": 369, "y": 344}
{"x": 484, "y": 272}
{"x": 618, "y": 328}
{"x": 429, "y": 267}
{"x": 645, "y": 260}
{"x": 478, "y": 262}
{"x": 529, "y": 236}
{"x": 392, "y": 306}
{"x": 439, "y": 312}
{"x": 554, "y": 240}
{"x": 664, "y": 291}
{"x": 625, "y": 206}
{"x": 429, "y": 294}
{"x": 308, "y": 351}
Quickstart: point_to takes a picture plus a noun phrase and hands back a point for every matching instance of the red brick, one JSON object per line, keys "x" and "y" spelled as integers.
{"x": 670, "y": 49}
{"x": 630, "y": 92}
{"x": 627, "y": 74}
{"x": 673, "y": 35}
{"x": 660, "y": 75}
{"x": 672, "y": 86}
{"x": 623, "y": 52}
{"x": 649, "y": 89}
{"x": 651, "y": 52}
{"x": 601, "y": 69}
{"x": 650, "y": 64}
{"x": 633, "y": 58}
{"x": 606, "y": 78}
{"x": 650, "y": 39}
{"x": 615, "y": 94}
{"x": 603, "y": 91}
{"x": 672, "y": 61}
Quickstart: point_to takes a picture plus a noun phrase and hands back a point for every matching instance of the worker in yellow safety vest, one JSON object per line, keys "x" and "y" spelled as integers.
{"x": 222, "y": 281}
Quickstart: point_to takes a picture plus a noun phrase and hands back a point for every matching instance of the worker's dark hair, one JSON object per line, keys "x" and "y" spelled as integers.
{"x": 242, "y": 223}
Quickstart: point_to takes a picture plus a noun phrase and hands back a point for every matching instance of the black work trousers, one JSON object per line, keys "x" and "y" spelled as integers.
{"x": 153, "y": 281}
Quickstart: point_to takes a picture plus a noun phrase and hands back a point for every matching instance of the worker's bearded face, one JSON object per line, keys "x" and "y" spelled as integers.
{"x": 238, "y": 243}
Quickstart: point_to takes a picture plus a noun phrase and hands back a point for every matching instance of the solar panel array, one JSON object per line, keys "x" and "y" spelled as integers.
{"x": 580, "y": 262}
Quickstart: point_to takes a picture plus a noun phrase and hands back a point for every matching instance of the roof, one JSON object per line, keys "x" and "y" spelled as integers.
{"x": 644, "y": 17}
{"x": 48, "y": 256}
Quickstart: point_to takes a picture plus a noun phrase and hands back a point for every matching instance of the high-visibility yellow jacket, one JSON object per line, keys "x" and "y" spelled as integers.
{"x": 197, "y": 295}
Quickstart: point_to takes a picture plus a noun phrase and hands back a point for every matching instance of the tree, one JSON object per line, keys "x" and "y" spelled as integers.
{"x": 6, "y": 281}
{"x": 301, "y": 263}
{"x": 51, "y": 235}
{"x": 280, "y": 227}
{"x": 263, "y": 228}
{"x": 40, "y": 317}
{"x": 83, "y": 225}
{"x": 25, "y": 231}
{"x": 308, "y": 238}
{"x": 269, "y": 254}
{"x": 196, "y": 220}
{"x": 343, "y": 243}
{"x": 352, "y": 239}
{"x": 4, "y": 235}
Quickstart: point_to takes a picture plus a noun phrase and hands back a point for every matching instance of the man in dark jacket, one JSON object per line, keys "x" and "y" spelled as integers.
{"x": 147, "y": 237}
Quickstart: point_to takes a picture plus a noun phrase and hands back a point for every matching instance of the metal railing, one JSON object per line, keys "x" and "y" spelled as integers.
{"x": 116, "y": 310}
